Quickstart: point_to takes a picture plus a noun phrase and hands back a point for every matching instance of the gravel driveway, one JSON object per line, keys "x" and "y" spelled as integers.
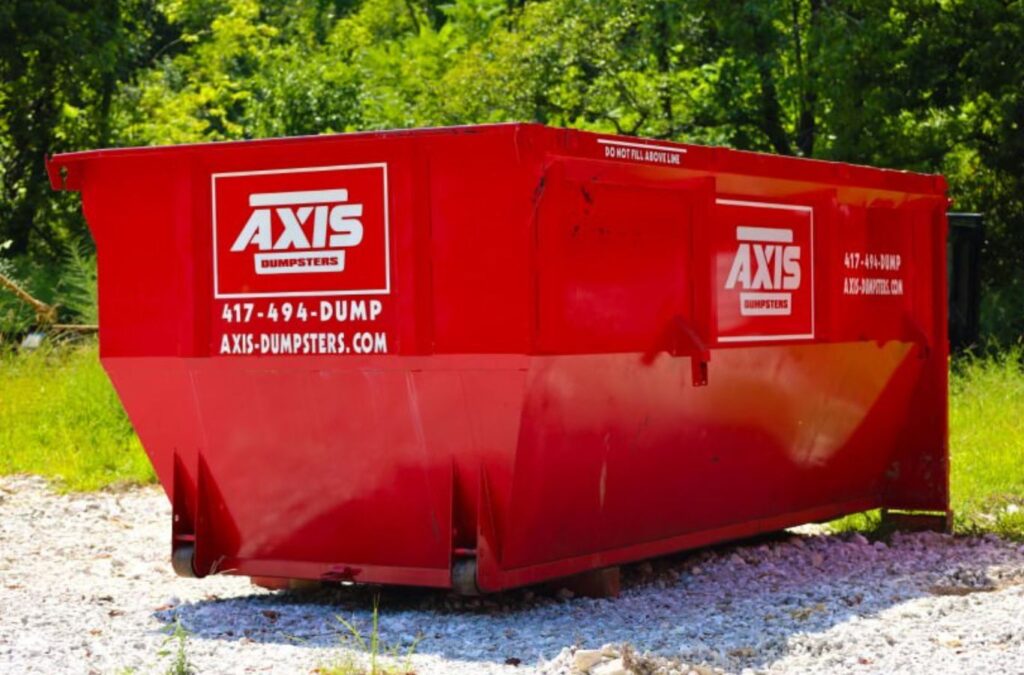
{"x": 86, "y": 586}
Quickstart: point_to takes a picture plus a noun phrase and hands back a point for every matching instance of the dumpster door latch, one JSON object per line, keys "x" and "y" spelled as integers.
{"x": 681, "y": 339}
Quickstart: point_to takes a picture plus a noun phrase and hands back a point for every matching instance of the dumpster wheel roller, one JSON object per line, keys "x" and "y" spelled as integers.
{"x": 464, "y": 577}
{"x": 182, "y": 560}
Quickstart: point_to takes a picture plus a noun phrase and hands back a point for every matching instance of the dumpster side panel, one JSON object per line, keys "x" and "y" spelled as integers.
{"x": 354, "y": 435}
{"x": 148, "y": 272}
{"x": 483, "y": 189}
{"x": 165, "y": 416}
{"x": 918, "y": 478}
{"x": 624, "y": 443}
{"x": 644, "y": 457}
{"x": 149, "y": 262}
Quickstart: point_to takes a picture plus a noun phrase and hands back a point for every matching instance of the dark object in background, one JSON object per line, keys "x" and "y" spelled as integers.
{"x": 966, "y": 236}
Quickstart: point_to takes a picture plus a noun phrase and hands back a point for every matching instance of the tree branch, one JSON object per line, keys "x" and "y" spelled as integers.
{"x": 45, "y": 314}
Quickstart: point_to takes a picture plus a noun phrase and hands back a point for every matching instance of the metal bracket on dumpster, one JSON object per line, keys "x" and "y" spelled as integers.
{"x": 681, "y": 339}
{"x": 913, "y": 332}
{"x": 183, "y": 531}
{"x": 918, "y": 521}
{"x": 484, "y": 569}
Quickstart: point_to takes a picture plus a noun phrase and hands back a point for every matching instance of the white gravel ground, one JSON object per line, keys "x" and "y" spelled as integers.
{"x": 86, "y": 586}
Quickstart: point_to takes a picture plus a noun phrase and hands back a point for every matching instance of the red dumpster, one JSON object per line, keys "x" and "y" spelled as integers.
{"x": 513, "y": 353}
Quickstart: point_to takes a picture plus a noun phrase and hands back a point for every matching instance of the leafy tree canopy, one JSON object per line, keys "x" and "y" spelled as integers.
{"x": 928, "y": 85}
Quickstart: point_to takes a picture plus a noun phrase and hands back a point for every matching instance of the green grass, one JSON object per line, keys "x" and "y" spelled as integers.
{"x": 60, "y": 418}
{"x": 986, "y": 440}
{"x": 986, "y": 419}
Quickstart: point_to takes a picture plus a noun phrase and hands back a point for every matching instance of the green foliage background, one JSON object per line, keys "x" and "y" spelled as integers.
{"x": 927, "y": 85}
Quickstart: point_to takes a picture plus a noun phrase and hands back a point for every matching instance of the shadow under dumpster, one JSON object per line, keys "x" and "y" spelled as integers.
{"x": 732, "y": 607}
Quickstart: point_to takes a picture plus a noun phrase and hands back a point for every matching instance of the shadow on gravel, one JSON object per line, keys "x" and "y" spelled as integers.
{"x": 739, "y": 606}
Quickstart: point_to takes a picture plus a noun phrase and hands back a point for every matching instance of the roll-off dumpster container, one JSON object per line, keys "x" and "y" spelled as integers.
{"x": 513, "y": 351}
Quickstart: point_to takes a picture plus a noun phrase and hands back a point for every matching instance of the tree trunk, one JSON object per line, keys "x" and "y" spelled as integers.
{"x": 806, "y": 131}
{"x": 769, "y": 109}
{"x": 665, "y": 65}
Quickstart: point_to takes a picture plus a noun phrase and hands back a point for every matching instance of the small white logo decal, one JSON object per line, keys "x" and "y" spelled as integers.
{"x": 767, "y": 269}
{"x": 336, "y": 226}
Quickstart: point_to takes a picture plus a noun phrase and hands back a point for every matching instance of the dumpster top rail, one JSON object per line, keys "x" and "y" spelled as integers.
{"x": 62, "y": 167}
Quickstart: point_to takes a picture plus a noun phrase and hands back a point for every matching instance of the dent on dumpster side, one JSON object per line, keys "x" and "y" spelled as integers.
{"x": 531, "y": 352}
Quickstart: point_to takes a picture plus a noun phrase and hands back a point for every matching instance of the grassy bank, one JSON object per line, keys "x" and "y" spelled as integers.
{"x": 986, "y": 420}
{"x": 60, "y": 418}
